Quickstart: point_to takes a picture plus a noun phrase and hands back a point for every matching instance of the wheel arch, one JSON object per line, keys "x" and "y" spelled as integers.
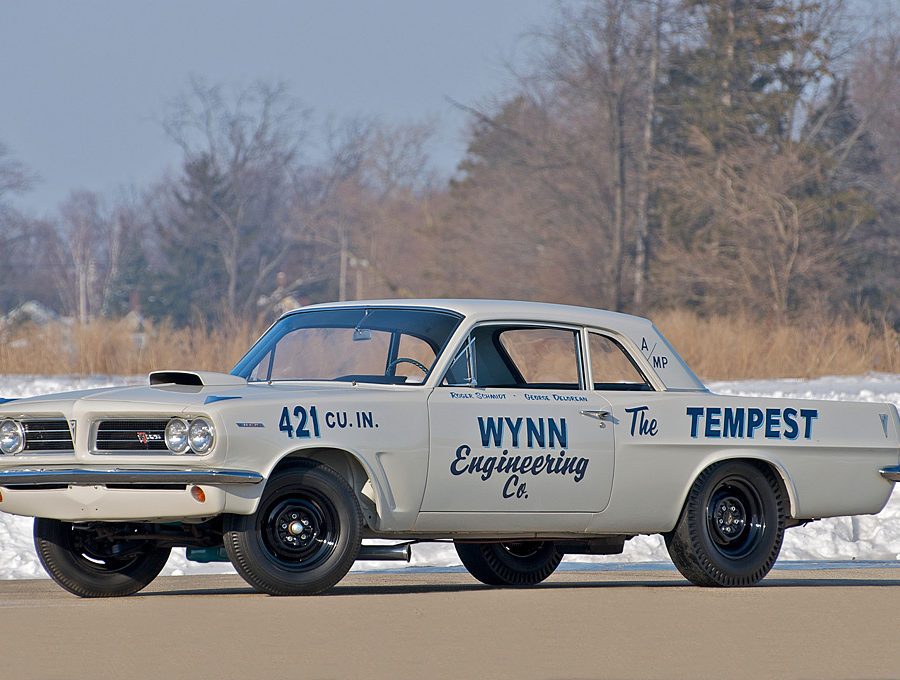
{"x": 348, "y": 465}
{"x": 758, "y": 458}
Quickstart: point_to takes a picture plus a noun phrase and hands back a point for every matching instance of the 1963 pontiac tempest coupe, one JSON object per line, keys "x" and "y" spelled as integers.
{"x": 521, "y": 431}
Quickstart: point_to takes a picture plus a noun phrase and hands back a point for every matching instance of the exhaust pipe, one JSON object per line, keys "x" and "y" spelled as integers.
{"x": 400, "y": 552}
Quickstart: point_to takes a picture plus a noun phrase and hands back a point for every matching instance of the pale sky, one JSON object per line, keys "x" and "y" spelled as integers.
{"x": 83, "y": 84}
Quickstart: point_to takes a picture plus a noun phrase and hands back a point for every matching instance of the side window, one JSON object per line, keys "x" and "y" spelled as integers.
{"x": 541, "y": 357}
{"x": 612, "y": 368}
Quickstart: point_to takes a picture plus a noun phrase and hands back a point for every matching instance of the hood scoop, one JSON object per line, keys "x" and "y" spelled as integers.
{"x": 195, "y": 379}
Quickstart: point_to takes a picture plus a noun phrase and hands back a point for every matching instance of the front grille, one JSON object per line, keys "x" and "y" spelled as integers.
{"x": 131, "y": 435}
{"x": 51, "y": 434}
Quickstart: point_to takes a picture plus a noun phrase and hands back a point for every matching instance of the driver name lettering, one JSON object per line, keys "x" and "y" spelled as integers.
{"x": 477, "y": 395}
{"x": 502, "y": 434}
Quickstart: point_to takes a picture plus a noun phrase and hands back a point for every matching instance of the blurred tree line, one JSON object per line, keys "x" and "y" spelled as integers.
{"x": 718, "y": 155}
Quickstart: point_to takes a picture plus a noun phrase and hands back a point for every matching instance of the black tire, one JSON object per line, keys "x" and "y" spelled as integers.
{"x": 732, "y": 525}
{"x": 524, "y": 563}
{"x": 89, "y": 566}
{"x": 275, "y": 557}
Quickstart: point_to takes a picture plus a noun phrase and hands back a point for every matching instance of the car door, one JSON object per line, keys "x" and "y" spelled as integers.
{"x": 513, "y": 428}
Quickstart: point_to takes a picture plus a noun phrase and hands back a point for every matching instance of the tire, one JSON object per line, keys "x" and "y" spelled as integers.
{"x": 277, "y": 558}
{"x": 89, "y": 566}
{"x": 732, "y": 525}
{"x": 524, "y": 563}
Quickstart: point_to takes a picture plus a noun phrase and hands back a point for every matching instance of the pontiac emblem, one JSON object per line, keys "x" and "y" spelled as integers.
{"x": 144, "y": 437}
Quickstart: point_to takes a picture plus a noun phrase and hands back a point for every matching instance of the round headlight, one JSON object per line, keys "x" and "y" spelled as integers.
{"x": 177, "y": 435}
{"x": 201, "y": 435}
{"x": 12, "y": 436}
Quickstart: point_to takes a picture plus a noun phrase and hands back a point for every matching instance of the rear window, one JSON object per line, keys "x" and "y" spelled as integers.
{"x": 612, "y": 368}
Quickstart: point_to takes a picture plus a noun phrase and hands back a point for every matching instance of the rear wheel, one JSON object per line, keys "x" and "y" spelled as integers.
{"x": 732, "y": 525}
{"x": 523, "y": 563}
{"x": 84, "y": 562}
{"x": 304, "y": 535}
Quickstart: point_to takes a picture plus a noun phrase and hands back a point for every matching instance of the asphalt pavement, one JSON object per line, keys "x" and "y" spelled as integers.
{"x": 633, "y": 624}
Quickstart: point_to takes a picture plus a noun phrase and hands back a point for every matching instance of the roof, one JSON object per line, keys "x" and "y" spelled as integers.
{"x": 640, "y": 333}
{"x": 504, "y": 309}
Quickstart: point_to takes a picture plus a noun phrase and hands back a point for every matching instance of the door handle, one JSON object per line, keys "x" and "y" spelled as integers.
{"x": 599, "y": 414}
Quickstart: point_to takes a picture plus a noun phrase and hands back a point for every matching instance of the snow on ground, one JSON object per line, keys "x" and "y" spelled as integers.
{"x": 842, "y": 538}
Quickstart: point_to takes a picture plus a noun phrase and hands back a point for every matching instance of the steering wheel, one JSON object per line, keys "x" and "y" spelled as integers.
{"x": 403, "y": 360}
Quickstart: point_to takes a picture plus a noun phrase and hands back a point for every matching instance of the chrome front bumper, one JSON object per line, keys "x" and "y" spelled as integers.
{"x": 126, "y": 494}
{"x": 891, "y": 473}
{"x": 25, "y": 477}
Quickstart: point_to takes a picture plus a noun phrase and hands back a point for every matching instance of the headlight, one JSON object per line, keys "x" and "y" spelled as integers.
{"x": 12, "y": 436}
{"x": 201, "y": 435}
{"x": 177, "y": 435}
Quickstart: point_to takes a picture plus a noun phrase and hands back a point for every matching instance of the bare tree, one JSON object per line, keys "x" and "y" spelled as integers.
{"x": 875, "y": 75}
{"x": 875, "y": 90}
{"x": 86, "y": 247}
{"x": 744, "y": 199}
{"x": 642, "y": 226}
{"x": 15, "y": 178}
{"x": 570, "y": 136}
{"x": 241, "y": 155}
{"x": 373, "y": 173}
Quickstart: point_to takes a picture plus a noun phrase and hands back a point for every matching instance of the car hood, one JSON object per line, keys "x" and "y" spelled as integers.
{"x": 173, "y": 396}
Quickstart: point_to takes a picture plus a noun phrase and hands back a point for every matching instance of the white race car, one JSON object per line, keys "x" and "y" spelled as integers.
{"x": 520, "y": 431}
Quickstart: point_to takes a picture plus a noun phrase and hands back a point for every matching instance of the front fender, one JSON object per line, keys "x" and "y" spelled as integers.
{"x": 369, "y": 481}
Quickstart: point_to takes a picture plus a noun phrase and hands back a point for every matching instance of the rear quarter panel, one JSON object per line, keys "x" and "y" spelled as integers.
{"x": 829, "y": 458}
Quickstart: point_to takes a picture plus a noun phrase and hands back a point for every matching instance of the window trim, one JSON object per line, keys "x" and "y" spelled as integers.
{"x": 624, "y": 344}
{"x": 576, "y": 329}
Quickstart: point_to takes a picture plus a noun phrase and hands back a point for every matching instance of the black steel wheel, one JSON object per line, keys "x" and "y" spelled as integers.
{"x": 81, "y": 559}
{"x": 732, "y": 525}
{"x": 520, "y": 563}
{"x": 304, "y": 535}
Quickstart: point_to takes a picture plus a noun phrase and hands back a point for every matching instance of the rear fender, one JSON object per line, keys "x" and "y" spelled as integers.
{"x": 755, "y": 455}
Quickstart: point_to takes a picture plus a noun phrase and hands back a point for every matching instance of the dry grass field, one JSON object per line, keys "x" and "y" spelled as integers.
{"x": 720, "y": 348}
{"x": 739, "y": 347}
{"x": 115, "y": 347}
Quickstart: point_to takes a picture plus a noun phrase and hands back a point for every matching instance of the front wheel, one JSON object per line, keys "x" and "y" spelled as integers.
{"x": 304, "y": 535}
{"x": 89, "y": 562}
{"x": 524, "y": 563}
{"x": 732, "y": 525}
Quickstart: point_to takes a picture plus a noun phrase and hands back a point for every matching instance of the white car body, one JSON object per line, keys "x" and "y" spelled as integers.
{"x": 432, "y": 460}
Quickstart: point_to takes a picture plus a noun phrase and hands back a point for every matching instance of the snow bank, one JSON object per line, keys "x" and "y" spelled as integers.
{"x": 842, "y": 538}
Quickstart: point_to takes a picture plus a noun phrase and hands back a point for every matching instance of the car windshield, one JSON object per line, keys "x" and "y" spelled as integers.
{"x": 366, "y": 344}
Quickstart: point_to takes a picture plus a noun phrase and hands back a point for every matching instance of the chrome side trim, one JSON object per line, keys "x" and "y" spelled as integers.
{"x": 891, "y": 473}
{"x": 99, "y": 477}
